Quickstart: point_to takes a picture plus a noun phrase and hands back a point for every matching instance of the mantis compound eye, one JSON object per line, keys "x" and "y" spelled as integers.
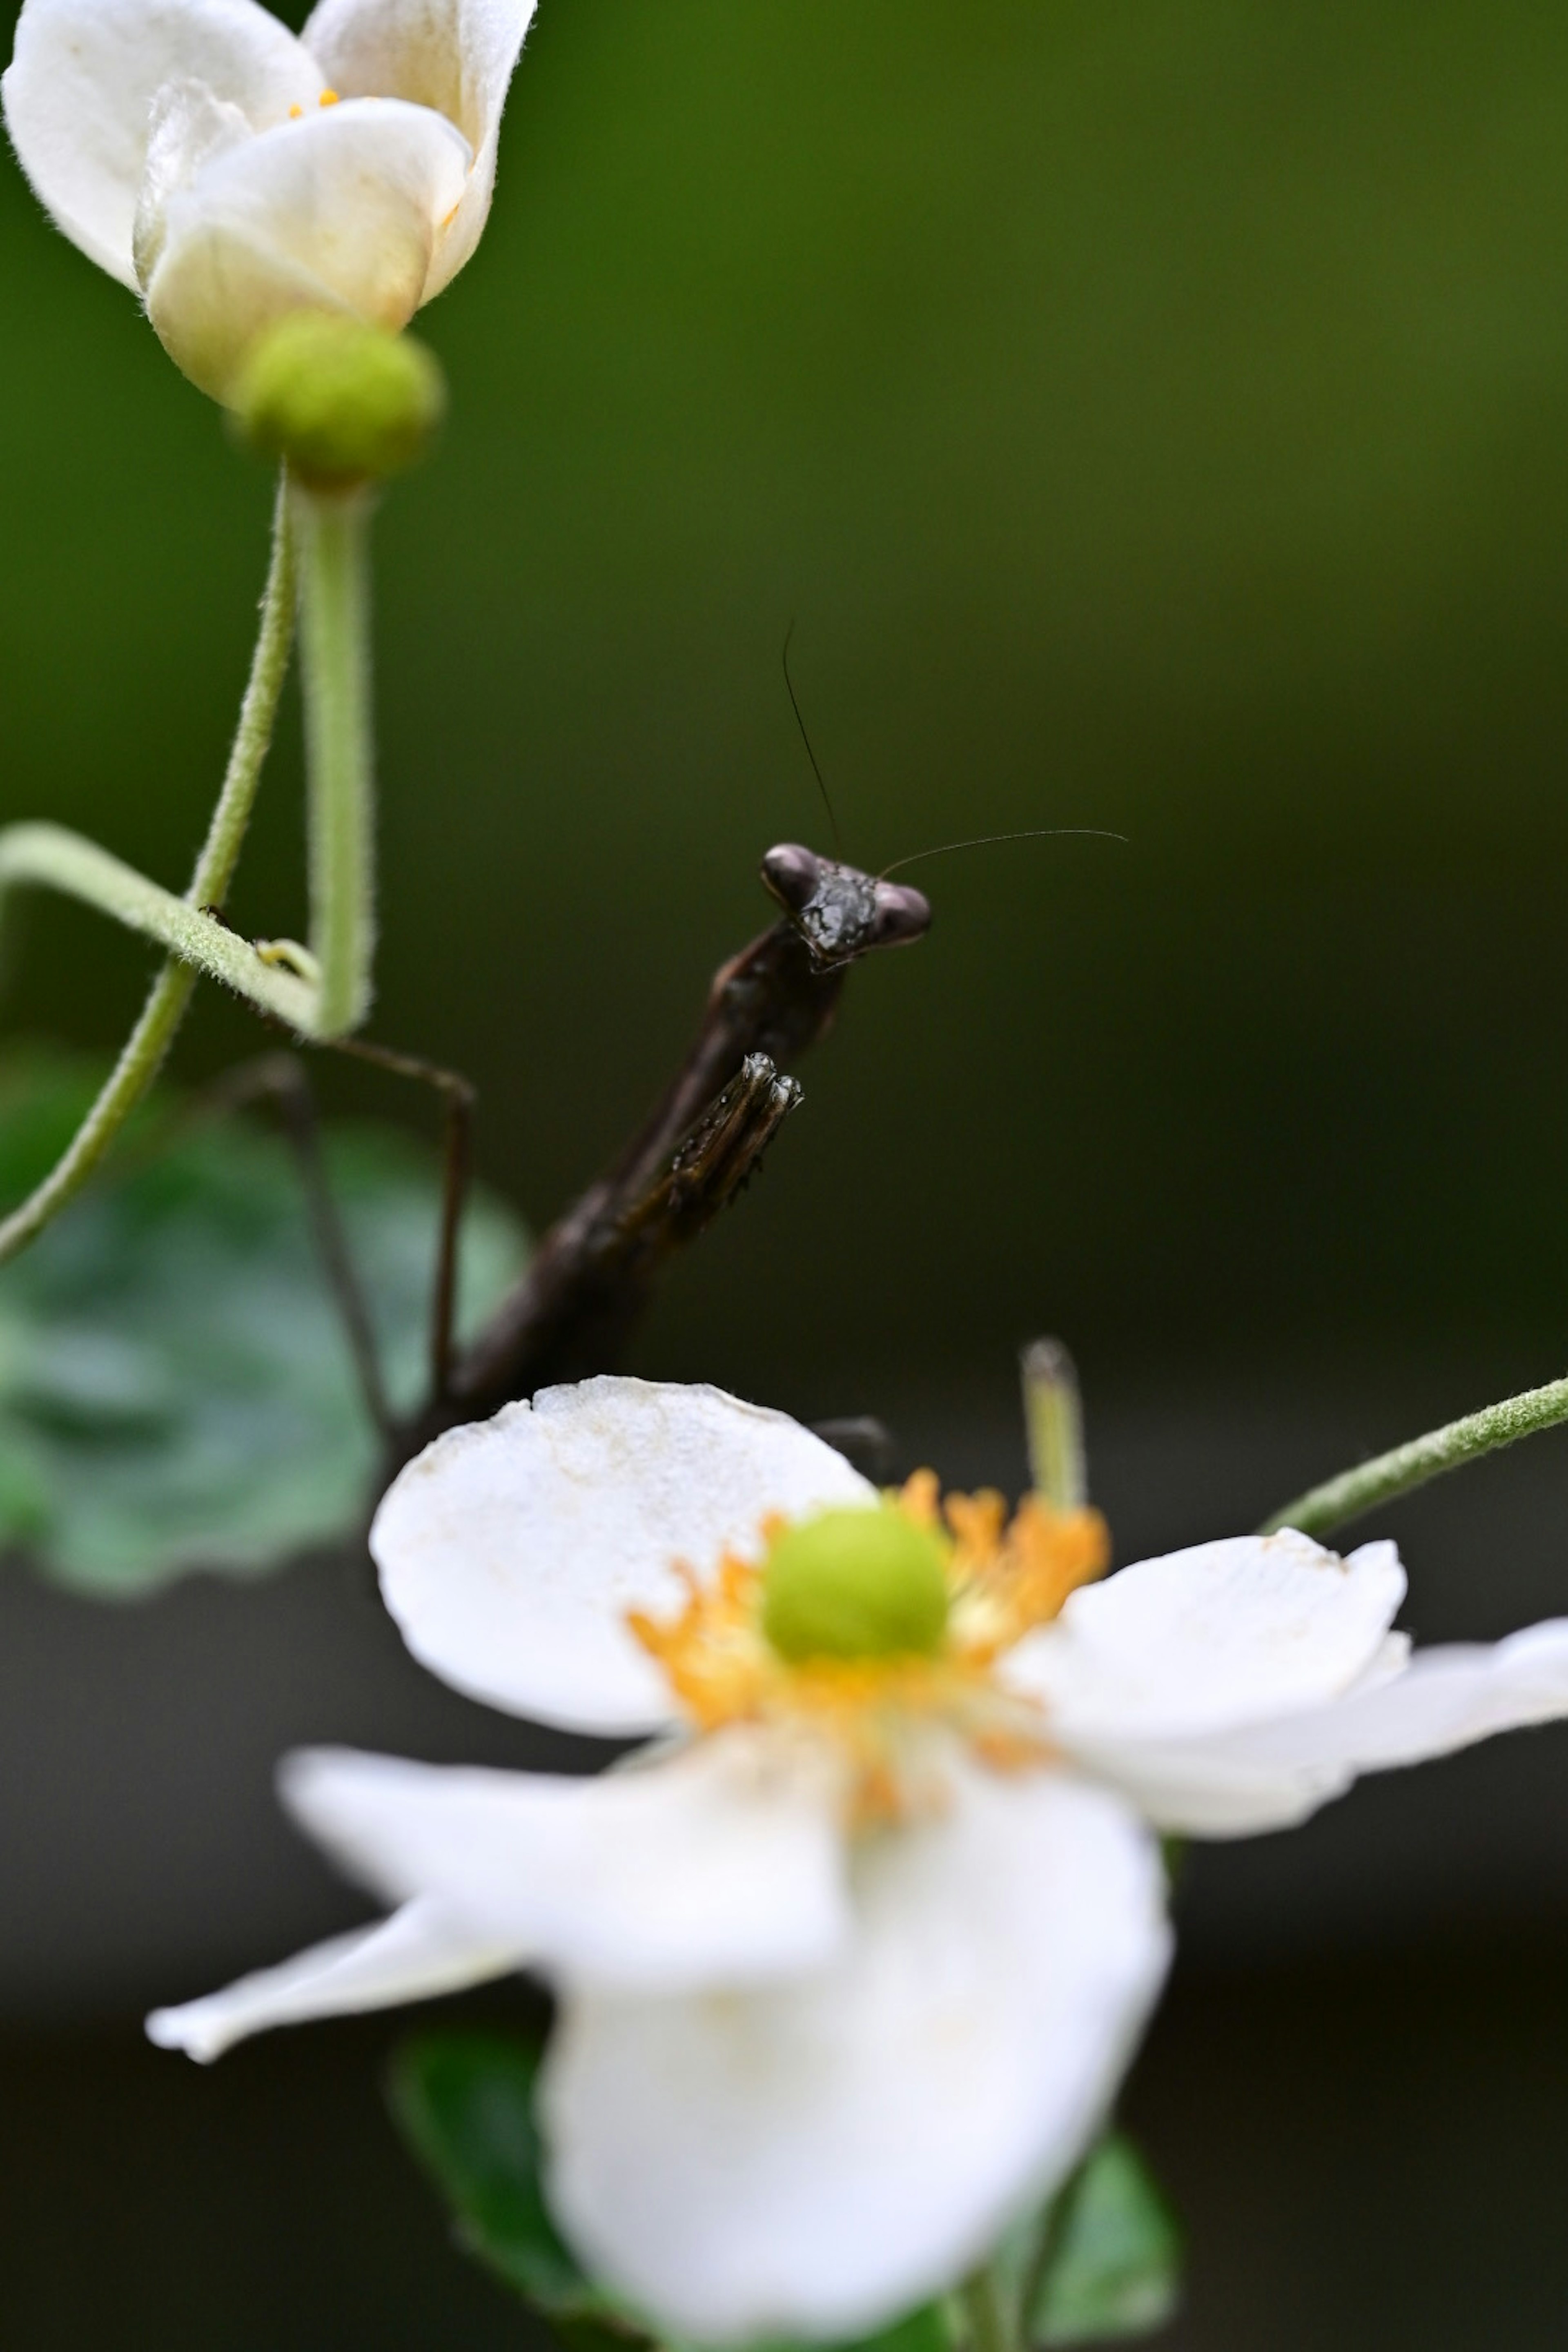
{"x": 902, "y": 916}
{"x": 792, "y": 874}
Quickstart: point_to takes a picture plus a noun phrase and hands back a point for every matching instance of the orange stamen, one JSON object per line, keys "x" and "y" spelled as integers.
{"x": 1005, "y": 1579}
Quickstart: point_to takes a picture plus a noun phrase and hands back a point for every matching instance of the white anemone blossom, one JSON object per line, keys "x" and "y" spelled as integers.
{"x": 850, "y": 1961}
{"x": 232, "y": 173}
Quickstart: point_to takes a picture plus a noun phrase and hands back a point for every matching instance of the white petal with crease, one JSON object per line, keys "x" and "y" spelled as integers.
{"x": 1223, "y": 1634}
{"x": 1270, "y": 1775}
{"x": 456, "y": 56}
{"x": 78, "y": 97}
{"x": 813, "y": 2160}
{"x": 339, "y": 209}
{"x": 412, "y": 1955}
{"x": 510, "y": 1550}
{"x": 724, "y": 1863}
{"x": 187, "y": 128}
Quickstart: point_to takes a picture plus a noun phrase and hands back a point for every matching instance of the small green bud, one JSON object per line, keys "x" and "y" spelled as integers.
{"x": 1053, "y": 1417}
{"x": 856, "y": 1584}
{"x": 344, "y": 402}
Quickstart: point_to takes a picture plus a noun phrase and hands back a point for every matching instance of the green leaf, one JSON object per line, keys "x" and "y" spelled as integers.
{"x": 176, "y": 1391}
{"x": 464, "y": 2101}
{"x": 928, "y": 2329}
{"x": 1114, "y": 2268}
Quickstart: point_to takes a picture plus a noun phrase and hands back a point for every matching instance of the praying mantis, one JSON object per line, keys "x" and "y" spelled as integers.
{"x": 573, "y": 1309}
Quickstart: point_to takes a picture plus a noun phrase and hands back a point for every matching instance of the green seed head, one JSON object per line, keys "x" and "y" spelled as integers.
{"x": 344, "y": 402}
{"x": 856, "y": 1584}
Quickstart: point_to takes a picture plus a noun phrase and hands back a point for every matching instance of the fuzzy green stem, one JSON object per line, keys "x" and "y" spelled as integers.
{"x": 1355, "y": 1492}
{"x": 257, "y": 716}
{"x": 149, "y": 1041}
{"x": 67, "y": 862}
{"x": 1053, "y": 1421}
{"x": 1047, "y": 2245}
{"x": 986, "y": 2313}
{"x": 334, "y": 652}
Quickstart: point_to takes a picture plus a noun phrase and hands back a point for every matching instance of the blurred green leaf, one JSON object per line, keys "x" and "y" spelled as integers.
{"x": 464, "y": 2101}
{"x": 928, "y": 2329}
{"x": 176, "y": 1391}
{"x": 1114, "y": 2266}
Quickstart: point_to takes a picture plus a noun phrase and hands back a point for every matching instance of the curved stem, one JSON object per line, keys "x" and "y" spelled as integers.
{"x": 984, "y": 2314}
{"x": 78, "y": 867}
{"x": 334, "y": 659}
{"x": 165, "y": 1007}
{"x": 1355, "y": 1492}
{"x": 257, "y": 716}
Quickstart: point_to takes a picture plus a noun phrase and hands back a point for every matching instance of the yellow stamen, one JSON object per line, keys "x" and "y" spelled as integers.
{"x": 1005, "y": 1579}
{"x": 329, "y": 98}
{"x": 295, "y": 113}
{"x": 1016, "y": 1578}
{"x": 919, "y": 1499}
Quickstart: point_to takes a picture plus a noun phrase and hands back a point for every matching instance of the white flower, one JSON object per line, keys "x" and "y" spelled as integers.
{"x": 197, "y": 150}
{"x": 850, "y": 1962}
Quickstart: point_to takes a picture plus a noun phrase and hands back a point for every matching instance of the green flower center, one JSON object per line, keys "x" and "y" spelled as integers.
{"x": 863, "y": 1583}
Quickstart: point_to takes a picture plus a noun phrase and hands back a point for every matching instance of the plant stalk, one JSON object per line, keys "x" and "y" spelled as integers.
{"x": 144, "y": 1050}
{"x": 1355, "y": 1492}
{"x": 79, "y": 868}
{"x": 335, "y": 667}
{"x": 986, "y": 2313}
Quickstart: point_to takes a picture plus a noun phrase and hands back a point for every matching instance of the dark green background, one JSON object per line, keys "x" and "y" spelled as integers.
{"x": 1155, "y": 417}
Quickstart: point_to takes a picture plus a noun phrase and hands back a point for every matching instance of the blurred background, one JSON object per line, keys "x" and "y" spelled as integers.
{"x": 1153, "y": 417}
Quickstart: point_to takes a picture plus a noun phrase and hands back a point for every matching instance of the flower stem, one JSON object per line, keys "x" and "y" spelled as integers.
{"x": 986, "y": 2314}
{"x": 1355, "y": 1492}
{"x": 79, "y": 868}
{"x": 1047, "y": 2245}
{"x": 149, "y": 1041}
{"x": 334, "y": 649}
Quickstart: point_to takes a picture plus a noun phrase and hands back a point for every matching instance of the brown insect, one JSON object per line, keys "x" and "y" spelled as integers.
{"x": 572, "y": 1311}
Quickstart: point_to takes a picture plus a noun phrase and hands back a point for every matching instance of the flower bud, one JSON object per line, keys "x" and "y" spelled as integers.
{"x": 856, "y": 1584}
{"x": 344, "y": 403}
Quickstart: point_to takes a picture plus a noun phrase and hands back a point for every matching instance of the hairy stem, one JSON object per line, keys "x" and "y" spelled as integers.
{"x": 985, "y": 2311}
{"x": 69, "y": 863}
{"x": 334, "y": 654}
{"x": 26, "y": 852}
{"x": 1355, "y": 1492}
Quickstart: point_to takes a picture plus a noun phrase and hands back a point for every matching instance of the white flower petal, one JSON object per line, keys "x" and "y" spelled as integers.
{"x": 1223, "y": 1634}
{"x": 1212, "y": 1787}
{"x": 1271, "y": 1775}
{"x": 1447, "y": 1697}
{"x": 412, "y": 1955}
{"x": 80, "y": 90}
{"x": 813, "y": 2159}
{"x": 339, "y": 211}
{"x": 187, "y": 127}
{"x": 722, "y": 1863}
{"x": 511, "y": 1550}
{"x": 456, "y": 56}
